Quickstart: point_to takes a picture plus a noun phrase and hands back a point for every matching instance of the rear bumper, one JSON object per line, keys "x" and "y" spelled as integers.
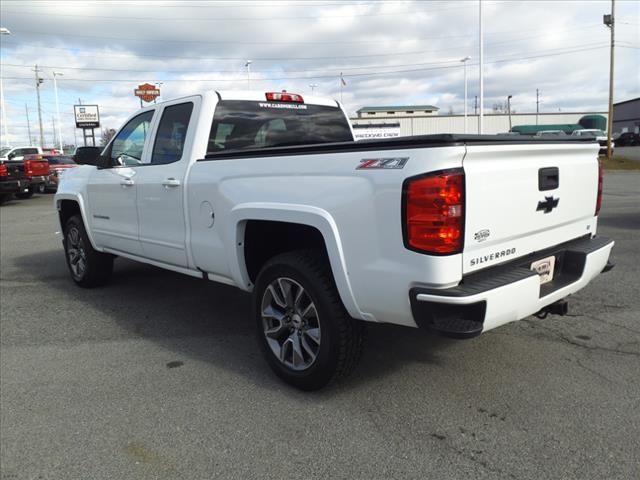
{"x": 511, "y": 292}
{"x": 10, "y": 186}
{"x": 36, "y": 180}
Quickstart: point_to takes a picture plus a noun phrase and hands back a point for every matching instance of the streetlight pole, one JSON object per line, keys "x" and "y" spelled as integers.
{"x": 55, "y": 89}
{"x": 26, "y": 110}
{"x": 509, "y": 109}
{"x": 3, "y": 106}
{"x": 248, "y": 65}
{"x": 38, "y": 82}
{"x": 609, "y": 21}
{"x": 158, "y": 84}
{"x": 464, "y": 62}
{"x": 481, "y": 117}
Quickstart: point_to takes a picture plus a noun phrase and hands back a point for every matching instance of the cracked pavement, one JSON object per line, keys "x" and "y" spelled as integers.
{"x": 158, "y": 376}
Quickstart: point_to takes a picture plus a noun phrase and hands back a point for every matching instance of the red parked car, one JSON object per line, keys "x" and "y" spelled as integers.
{"x": 57, "y": 166}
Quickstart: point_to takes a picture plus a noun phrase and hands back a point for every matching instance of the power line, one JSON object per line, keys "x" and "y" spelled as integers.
{"x": 156, "y": 41}
{"x": 183, "y": 71}
{"x": 369, "y": 74}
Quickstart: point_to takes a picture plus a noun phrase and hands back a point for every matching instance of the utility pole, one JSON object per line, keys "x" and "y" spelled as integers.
{"x": 537, "y": 104}
{"x": 26, "y": 110}
{"x": 38, "y": 82}
{"x": 248, "y": 65}
{"x": 481, "y": 117}
{"x": 475, "y": 105}
{"x": 609, "y": 21}
{"x": 464, "y": 62}
{"x": 509, "y": 109}
{"x": 53, "y": 125}
{"x": 3, "y": 106}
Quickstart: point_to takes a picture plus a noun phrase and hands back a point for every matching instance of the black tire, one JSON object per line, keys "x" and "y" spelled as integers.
{"x": 24, "y": 195}
{"x": 340, "y": 336}
{"x": 97, "y": 267}
{"x": 41, "y": 188}
{"x": 5, "y": 197}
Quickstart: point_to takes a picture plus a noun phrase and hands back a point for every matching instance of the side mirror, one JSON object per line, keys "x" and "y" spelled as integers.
{"x": 87, "y": 157}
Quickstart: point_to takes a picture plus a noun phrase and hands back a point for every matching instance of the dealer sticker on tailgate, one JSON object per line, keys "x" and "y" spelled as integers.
{"x": 544, "y": 268}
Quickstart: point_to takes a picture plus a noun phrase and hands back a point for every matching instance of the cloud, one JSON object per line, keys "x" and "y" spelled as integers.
{"x": 391, "y": 53}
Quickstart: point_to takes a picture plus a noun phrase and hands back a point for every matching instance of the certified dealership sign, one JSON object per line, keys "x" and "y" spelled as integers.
{"x": 147, "y": 92}
{"x": 87, "y": 116}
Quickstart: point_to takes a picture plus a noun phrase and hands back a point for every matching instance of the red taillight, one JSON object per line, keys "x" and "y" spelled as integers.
{"x": 28, "y": 167}
{"x": 433, "y": 207}
{"x": 284, "y": 97}
{"x": 4, "y": 171}
{"x": 599, "y": 198}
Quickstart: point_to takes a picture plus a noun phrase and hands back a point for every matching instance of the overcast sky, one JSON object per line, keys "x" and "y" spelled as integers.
{"x": 390, "y": 53}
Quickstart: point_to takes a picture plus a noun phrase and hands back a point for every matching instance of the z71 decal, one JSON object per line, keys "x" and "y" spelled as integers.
{"x": 382, "y": 163}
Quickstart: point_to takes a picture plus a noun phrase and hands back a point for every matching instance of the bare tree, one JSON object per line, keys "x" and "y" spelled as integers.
{"x": 107, "y": 135}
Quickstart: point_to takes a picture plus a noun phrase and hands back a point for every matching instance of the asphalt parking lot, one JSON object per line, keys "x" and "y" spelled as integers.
{"x": 158, "y": 376}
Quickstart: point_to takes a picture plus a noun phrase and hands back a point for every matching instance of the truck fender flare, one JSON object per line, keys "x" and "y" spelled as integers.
{"x": 77, "y": 198}
{"x": 291, "y": 213}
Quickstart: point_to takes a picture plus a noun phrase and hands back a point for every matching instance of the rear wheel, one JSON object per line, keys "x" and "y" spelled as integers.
{"x": 306, "y": 334}
{"x": 88, "y": 267}
{"x": 26, "y": 194}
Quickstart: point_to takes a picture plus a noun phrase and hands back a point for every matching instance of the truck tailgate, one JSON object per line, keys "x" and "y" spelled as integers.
{"x": 524, "y": 198}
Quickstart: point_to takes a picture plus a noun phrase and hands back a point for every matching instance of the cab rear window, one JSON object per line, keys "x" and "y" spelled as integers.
{"x": 245, "y": 125}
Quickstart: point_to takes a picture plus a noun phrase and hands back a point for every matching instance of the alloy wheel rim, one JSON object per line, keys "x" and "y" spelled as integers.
{"x": 291, "y": 324}
{"x": 76, "y": 252}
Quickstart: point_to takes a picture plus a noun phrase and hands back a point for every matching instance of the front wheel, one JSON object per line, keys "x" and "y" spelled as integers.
{"x": 88, "y": 267}
{"x": 306, "y": 334}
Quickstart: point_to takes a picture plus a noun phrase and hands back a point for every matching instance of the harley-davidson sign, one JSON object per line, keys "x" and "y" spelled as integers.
{"x": 147, "y": 92}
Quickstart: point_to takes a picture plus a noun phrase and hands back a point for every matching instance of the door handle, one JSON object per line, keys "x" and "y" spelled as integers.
{"x": 171, "y": 182}
{"x": 127, "y": 182}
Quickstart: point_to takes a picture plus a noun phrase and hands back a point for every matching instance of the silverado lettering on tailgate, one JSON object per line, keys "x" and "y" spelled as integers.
{"x": 493, "y": 256}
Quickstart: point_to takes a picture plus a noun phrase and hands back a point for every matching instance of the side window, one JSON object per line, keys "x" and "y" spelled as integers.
{"x": 172, "y": 133}
{"x": 127, "y": 147}
{"x": 218, "y": 137}
{"x": 29, "y": 151}
{"x": 270, "y": 133}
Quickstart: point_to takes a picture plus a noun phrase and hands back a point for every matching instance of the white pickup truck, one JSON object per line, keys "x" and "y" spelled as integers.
{"x": 268, "y": 192}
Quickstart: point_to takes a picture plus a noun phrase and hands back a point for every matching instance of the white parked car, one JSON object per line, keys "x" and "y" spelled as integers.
{"x": 599, "y": 135}
{"x": 268, "y": 192}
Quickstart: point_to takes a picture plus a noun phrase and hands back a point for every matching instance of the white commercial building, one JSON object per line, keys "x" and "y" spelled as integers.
{"x": 415, "y": 124}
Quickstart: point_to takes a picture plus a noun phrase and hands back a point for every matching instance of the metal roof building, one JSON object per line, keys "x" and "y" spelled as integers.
{"x": 422, "y": 124}
{"x": 396, "y": 110}
{"x": 626, "y": 116}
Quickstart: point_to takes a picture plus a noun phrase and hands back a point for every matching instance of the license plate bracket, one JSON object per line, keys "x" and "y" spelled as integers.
{"x": 544, "y": 268}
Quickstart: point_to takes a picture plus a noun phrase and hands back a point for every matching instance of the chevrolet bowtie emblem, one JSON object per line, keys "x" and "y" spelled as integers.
{"x": 549, "y": 204}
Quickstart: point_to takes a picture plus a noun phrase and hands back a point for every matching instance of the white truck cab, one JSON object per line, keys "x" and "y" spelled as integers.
{"x": 18, "y": 153}
{"x": 268, "y": 192}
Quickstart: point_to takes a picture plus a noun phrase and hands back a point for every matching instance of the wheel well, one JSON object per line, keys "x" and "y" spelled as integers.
{"x": 265, "y": 239}
{"x": 66, "y": 210}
